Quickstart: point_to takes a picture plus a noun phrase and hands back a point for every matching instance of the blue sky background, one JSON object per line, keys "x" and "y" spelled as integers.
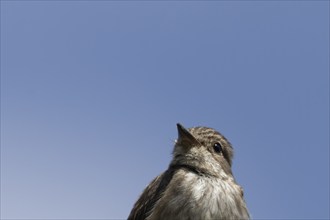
{"x": 91, "y": 93}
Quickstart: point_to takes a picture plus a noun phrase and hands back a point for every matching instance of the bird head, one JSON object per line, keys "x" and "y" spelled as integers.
{"x": 204, "y": 150}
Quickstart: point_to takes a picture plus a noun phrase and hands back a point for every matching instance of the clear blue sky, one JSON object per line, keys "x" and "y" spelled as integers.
{"x": 91, "y": 93}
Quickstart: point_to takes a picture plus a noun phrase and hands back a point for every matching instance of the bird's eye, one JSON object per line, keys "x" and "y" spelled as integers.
{"x": 217, "y": 147}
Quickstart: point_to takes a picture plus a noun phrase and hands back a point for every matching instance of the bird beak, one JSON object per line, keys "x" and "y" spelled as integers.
{"x": 185, "y": 137}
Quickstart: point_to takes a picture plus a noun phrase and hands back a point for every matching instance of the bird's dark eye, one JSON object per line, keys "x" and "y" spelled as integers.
{"x": 217, "y": 147}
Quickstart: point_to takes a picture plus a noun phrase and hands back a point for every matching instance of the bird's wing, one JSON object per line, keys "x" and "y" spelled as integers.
{"x": 143, "y": 207}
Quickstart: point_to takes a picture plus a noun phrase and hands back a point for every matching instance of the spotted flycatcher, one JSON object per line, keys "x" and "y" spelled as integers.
{"x": 198, "y": 183}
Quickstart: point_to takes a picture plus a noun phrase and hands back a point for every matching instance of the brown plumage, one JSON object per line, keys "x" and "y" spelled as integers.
{"x": 198, "y": 184}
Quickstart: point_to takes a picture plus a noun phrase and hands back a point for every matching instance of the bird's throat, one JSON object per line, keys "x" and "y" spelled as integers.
{"x": 187, "y": 167}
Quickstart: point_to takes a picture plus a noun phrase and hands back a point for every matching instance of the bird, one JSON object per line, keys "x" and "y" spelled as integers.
{"x": 198, "y": 184}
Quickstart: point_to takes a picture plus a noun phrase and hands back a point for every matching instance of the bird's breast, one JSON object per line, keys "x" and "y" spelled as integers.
{"x": 193, "y": 196}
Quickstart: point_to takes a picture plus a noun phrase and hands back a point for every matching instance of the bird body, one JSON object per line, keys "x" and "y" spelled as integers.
{"x": 198, "y": 183}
